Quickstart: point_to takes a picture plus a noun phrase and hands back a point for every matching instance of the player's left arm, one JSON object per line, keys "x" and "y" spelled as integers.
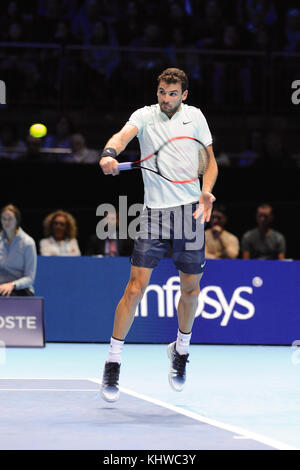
{"x": 209, "y": 178}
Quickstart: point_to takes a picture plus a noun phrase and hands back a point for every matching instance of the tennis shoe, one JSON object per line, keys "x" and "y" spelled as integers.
{"x": 110, "y": 382}
{"x": 177, "y": 375}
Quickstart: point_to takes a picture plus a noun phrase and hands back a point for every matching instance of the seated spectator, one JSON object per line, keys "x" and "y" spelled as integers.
{"x": 130, "y": 25}
{"x": 219, "y": 243}
{"x": 63, "y": 34}
{"x": 109, "y": 244}
{"x": 208, "y": 30}
{"x": 254, "y": 150}
{"x": 60, "y": 230}
{"x": 101, "y": 61}
{"x": 85, "y": 19}
{"x": 10, "y": 145}
{"x": 61, "y": 139}
{"x": 18, "y": 257}
{"x": 33, "y": 150}
{"x": 152, "y": 37}
{"x": 222, "y": 158}
{"x": 292, "y": 31}
{"x": 274, "y": 154}
{"x": 80, "y": 152}
{"x": 263, "y": 242}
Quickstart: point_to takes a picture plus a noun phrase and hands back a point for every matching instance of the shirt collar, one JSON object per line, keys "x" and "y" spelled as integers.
{"x": 19, "y": 234}
{"x": 175, "y": 116}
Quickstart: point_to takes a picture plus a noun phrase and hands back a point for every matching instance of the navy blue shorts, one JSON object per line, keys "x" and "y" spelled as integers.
{"x": 171, "y": 228}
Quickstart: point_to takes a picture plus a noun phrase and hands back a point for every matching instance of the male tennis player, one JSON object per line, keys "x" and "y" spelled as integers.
{"x": 152, "y": 125}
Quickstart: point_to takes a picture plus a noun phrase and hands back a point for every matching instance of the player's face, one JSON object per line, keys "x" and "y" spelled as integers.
{"x": 170, "y": 97}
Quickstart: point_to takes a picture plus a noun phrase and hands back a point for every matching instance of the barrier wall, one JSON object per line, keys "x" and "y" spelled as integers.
{"x": 241, "y": 301}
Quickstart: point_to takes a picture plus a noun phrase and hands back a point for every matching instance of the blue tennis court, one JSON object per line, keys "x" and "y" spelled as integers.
{"x": 236, "y": 397}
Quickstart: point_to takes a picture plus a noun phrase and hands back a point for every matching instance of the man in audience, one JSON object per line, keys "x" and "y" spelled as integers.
{"x": 263, "y": 242}
{"x": 219, "y": 243}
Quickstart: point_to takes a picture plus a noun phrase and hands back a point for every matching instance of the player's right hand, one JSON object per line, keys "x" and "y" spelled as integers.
{"x": 109, "y": 166}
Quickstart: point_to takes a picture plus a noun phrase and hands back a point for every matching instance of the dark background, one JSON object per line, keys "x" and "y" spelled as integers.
{"x": 96, "y": 62}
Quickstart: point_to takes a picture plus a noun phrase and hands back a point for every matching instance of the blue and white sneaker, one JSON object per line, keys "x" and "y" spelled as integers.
{"x": 177, "y": 375}
{"x": 110, "y": 382}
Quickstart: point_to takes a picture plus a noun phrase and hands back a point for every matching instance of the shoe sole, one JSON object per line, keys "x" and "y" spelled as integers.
{"x": 169, "y": 352}
{"x": 109, "y": 400}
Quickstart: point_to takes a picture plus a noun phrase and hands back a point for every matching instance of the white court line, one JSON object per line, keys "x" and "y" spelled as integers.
{"x": 242, "y": 433}
{"x": 46, "y": 390}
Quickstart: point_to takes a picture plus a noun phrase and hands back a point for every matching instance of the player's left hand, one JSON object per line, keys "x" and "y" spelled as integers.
{"x": 205, "y": 206}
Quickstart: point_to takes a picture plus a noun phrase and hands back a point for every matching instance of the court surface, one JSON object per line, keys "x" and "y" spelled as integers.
{"x": 236, "y": 397}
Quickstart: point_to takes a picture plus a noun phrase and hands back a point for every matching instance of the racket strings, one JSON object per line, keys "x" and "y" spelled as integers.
{"x": 182, "y": 160}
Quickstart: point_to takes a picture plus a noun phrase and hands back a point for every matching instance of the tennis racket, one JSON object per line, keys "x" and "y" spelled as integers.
{"x": 178, "y": 160}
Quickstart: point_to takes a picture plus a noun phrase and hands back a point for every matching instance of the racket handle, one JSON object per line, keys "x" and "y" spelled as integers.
{"x": 125, "y": 166}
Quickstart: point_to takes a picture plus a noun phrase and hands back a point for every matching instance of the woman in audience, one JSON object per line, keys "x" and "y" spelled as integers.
{"x": 60, "y": 230}
{"x": 17, "y": 255}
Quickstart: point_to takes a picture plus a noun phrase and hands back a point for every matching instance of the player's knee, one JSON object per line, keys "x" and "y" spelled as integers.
{"x": 135, "y": 290}
{"x": 190, "y": 293}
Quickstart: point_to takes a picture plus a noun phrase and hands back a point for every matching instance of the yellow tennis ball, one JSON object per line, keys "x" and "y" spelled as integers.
{"x": 38, "y": 130}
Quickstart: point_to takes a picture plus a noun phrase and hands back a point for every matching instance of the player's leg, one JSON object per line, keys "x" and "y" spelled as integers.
{"x": 189, "y": 258}
{"x": 124, "y": 316}
{"x": 178, "y": 351}
{"x": 188, "y": 302}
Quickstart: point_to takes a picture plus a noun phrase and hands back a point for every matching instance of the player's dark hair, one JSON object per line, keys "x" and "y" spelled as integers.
{"x": 174, "y": 75}
{"x": 15, "y": 210}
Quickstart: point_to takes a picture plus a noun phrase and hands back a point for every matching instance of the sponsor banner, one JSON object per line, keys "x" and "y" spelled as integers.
{"x": 21, "y": 321}
{"x": 241, "y": 301}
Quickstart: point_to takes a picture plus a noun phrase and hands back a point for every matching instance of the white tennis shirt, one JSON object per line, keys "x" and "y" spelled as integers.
{"x": 154, "y": 128}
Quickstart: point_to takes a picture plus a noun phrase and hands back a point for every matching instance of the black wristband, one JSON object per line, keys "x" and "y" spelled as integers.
{"x": 109, "y": 152}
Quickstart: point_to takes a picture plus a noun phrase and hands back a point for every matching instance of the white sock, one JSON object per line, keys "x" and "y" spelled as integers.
{"x": 183, "y": 342}
{"x": 115, "y": 350}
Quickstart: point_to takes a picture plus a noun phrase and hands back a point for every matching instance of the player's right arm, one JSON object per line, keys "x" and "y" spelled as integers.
{"x": 116, "y": 144}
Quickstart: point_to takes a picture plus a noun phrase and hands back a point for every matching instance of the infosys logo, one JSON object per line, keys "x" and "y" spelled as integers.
{"x": 212, "y": 301}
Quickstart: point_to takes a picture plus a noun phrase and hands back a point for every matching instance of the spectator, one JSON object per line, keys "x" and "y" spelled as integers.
{"x": 103, "y": 62}
{"x": 152, "y": 37}
{"x": 292, "y": 30}
{"x": 63, "y": 34}
{"x": 263, "y": 242}
{"x": 208, "y": 31}
{"x": 109, "y": 244}
{"x": 233, "y": 77}
{"x": 10, "y": 145}
{"x": 274, "y": 154}
{"x": 188, "y": 61}
{"x": 80, "y": 153}
{"x": 18, "y": 257}
{"x": 82, "y": 23}
{"x": 60, "y": 230}
{"x": 130, "y": 25}
{"x": 254, "y": 150}
{"x": 61, "y": 139}
{"x": 33, "y": 150}
{"x": 219, "y": 243}
{"x": 222, "y": 157}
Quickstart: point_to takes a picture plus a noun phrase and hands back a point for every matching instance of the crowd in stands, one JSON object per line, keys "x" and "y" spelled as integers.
{"x": 18, "y": 250}
{"x": 196, "y": 25}
{"x": 234, "y": 24}
{"x": 67, "y": 145}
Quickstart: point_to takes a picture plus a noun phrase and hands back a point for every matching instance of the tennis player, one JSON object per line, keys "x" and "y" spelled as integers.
{"x": 153, "y": 125}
